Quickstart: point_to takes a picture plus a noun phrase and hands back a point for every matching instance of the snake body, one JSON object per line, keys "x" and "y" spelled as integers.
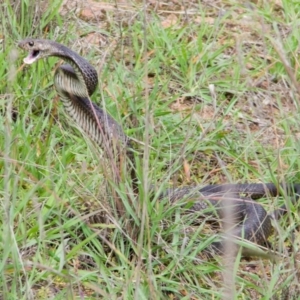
{"x": 76, "y": 81}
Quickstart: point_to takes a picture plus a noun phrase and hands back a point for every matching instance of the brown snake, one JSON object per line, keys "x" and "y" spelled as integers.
{"x": 76, "y": 81}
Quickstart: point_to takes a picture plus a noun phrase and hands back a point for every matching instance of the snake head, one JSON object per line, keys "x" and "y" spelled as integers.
{"x": 37, "y": 49}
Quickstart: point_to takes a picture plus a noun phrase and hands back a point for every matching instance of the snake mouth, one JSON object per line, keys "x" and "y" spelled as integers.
{"x": 32, "y": 57}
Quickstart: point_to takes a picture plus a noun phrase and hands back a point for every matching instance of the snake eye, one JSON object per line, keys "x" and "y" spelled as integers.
{"x": 31, "y": 43}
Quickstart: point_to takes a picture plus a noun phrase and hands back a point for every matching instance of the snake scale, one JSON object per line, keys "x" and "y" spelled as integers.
{"x": 76, "y": 81}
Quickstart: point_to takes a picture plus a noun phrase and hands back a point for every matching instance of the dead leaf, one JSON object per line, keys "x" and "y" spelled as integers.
{"x": 187, "y": 170}
{"x": 171, "y": 20}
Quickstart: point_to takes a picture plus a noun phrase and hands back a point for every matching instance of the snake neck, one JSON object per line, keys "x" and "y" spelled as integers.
{"x": 80, "y": 68}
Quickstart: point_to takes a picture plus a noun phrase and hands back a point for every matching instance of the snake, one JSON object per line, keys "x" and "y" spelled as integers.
{"x": 77, "y": 80}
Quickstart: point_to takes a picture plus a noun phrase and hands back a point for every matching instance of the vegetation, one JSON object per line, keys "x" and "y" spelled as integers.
{"x": 210, "y": 92}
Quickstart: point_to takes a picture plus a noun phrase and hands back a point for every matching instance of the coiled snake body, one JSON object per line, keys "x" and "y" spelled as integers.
{"x": 76, "y": 81}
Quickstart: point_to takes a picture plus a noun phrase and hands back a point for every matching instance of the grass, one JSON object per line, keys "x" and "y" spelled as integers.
{"x": 210, "y": 95}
